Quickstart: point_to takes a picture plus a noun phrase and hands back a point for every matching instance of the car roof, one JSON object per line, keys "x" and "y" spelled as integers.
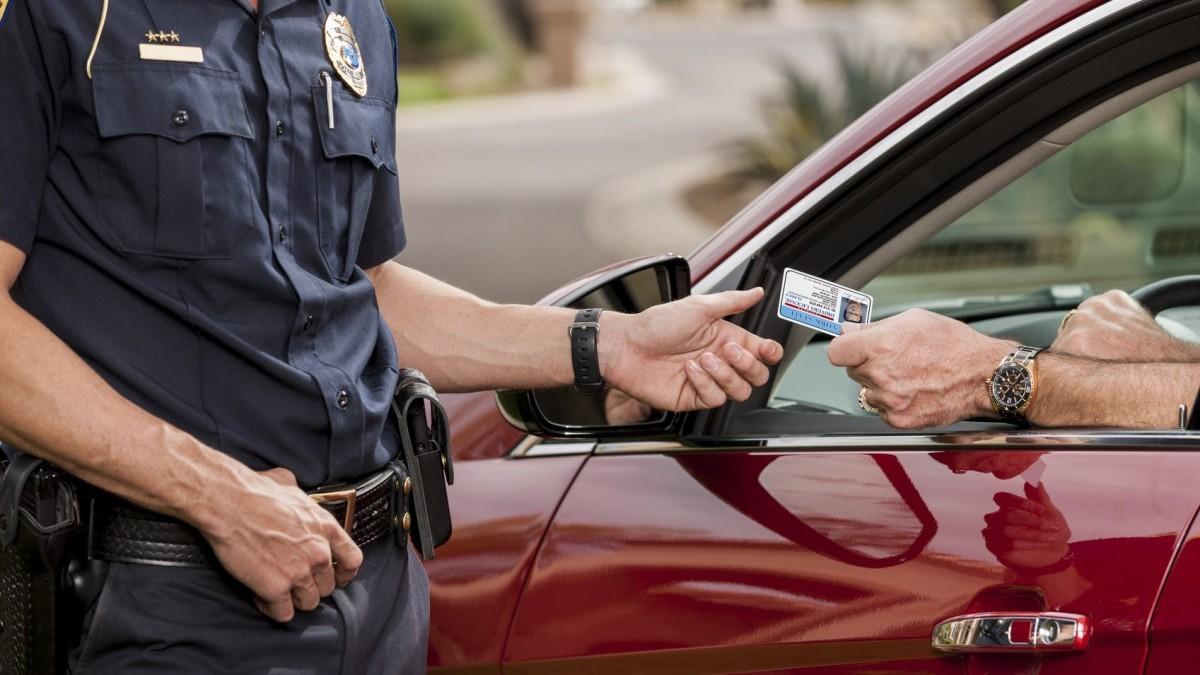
{"x": 1018, "y": 28}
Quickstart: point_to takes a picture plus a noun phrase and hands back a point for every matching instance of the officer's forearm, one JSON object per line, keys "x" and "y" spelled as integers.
{"x": 1081, "y": 392}
{"x": 54, "y": 406}
{"x": 464, "y": 343}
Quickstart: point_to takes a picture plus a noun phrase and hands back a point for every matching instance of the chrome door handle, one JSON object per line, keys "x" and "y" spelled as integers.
{"x": 1013, "y": 632}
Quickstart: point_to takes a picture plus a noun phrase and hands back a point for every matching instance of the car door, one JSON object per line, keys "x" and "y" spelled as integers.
{"x": 842, "y": 555}
{"x": 793, "y": 533}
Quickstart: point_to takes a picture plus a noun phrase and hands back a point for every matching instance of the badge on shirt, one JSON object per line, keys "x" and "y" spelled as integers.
{"x": 821, "y": 305}
{"x": 344, "y": 54}
{"x": 3, "y": 7}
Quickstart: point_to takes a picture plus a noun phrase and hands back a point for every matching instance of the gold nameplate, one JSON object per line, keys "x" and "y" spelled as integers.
{"x": 150, "y": 52}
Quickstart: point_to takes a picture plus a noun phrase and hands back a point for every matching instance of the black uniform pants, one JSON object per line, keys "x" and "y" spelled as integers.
{"x": 152, "y": 620}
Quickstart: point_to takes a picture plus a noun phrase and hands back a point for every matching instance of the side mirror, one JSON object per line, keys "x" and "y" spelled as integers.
{"x": 629, "y": 288}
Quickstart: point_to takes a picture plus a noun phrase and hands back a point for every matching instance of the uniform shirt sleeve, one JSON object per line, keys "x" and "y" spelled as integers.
{"x": 383, "y": 235}
{"x": 31, "y": 69}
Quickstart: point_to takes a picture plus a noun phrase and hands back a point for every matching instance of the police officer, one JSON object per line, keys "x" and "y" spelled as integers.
{"x": 199, "y": 316}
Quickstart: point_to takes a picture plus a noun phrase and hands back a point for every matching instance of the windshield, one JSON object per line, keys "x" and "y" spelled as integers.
{"x": 1119, "y": 208}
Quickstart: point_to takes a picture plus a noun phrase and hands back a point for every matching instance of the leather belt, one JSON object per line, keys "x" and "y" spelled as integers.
{"x": 122, "y": 532}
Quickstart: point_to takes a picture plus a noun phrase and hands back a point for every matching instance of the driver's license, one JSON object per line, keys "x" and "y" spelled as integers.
{"x": 821, "y": 305}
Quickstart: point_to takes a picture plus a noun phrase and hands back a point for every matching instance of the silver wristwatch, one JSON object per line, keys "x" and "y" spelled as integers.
{"x": 1013, "y": 384}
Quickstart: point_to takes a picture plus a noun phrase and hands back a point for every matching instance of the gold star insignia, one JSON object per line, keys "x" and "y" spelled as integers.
{"x": 174, "y": 37}
{"x": 162, "y": 36}
{"x": 151, "y": 36}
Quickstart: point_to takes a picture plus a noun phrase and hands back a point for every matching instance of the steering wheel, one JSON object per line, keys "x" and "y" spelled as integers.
{"x": 1170, "y": 292}
{"x": 1181, "y": 291}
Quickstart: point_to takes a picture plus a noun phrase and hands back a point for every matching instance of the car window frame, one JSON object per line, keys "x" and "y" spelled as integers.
{"x": 976, "y": 135}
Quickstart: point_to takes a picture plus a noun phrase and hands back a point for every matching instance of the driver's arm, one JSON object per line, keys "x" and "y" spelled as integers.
{"x": 923, "y": 370}
{"x": 1076, "y": 392}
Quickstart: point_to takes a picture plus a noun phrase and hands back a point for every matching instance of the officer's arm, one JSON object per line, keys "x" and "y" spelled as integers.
{"x": 265, "y": 531}
{"x": 678, "y": 356}
{"x": 53, "y": 405}
{"x": 464, "y": 343}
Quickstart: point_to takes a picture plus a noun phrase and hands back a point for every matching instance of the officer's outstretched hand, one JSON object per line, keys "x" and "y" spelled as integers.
{"x": 683, "y": 355}
{"x": 285, "y": 548}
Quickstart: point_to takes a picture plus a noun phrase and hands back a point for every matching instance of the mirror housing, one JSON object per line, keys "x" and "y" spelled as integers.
{"x": 627, "y": 287}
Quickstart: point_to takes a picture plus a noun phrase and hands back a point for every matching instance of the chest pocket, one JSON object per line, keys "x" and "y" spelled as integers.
{"x": 174, "y": 162}
{"x": 359, "y": 145}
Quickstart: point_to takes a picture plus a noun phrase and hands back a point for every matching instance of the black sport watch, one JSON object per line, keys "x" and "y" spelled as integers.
{"x": 1013, "y": 384}
{"x": 585, "y": 355}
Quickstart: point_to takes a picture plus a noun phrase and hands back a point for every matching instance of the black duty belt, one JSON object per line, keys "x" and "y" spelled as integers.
{"x": 408, "y": 494}
{"x": 122, "y": 532}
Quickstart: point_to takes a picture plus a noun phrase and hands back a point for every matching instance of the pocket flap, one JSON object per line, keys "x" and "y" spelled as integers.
{"x": 177, "y": 101}
{"x": 363, "y": 127}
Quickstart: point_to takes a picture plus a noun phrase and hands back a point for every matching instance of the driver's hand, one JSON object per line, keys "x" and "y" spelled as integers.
{"x": 1115, "y": 327}
{"x": 920, "y": 369}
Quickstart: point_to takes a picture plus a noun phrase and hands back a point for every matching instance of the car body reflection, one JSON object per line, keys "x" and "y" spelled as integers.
{"x": 786, "y": 559}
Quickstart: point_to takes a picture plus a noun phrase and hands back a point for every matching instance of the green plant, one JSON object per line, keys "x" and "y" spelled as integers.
{"x": 435, "y": 31}
{"x": 806, "y": 114}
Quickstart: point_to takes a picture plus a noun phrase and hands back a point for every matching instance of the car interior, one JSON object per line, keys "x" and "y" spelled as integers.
{"x": 1108, "y": 201}
{"x": 1099, "y": 193}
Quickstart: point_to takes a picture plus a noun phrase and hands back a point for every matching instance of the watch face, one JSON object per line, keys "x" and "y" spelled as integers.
{"x": 1011, "y": 386}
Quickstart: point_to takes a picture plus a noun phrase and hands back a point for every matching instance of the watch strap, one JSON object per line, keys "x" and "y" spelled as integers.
{"x": 585, "y": 355}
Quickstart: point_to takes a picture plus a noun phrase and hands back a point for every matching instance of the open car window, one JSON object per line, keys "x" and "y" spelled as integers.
{"x": 1119, "y": 208}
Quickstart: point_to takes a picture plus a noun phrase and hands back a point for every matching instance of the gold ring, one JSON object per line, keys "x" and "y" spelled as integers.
{"x": 1066, "y": 318}
{"x": 862, "y": 402}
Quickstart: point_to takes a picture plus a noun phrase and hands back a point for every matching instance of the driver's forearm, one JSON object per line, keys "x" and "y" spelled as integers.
{"x": 1075, "y": 392}
{"x": 1179, "y": 351}
{"x": 54, "y": 406}
{"x": 464, "y": 343}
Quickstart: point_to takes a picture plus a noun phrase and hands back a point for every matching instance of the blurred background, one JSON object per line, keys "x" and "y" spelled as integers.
{"x": 540, "y": 139}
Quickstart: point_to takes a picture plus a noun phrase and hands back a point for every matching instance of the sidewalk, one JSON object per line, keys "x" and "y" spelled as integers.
{"x": 644, "y": 213}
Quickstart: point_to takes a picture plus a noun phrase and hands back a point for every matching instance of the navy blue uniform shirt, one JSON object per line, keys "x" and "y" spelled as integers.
{"x": 197, "y": 231}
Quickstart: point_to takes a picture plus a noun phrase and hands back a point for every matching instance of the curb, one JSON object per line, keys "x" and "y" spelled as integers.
{"x": 620, "y": 78}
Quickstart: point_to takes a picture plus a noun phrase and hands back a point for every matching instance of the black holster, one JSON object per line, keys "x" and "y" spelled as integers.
{"x": 40, "y": 591}
{"x": 425, "y": 443}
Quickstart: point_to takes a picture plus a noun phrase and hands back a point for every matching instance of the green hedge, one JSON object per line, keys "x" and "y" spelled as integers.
{"x": 434, "y": 31}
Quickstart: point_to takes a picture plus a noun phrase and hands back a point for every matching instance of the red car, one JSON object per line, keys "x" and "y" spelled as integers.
{"x": 1053, "y": 156}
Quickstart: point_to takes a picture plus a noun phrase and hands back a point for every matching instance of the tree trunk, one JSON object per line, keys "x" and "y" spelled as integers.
{"x": 998, "y": 8}
{"x": 520, "y": 17}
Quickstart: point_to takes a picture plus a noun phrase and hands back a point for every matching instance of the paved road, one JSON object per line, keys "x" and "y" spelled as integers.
{"x": 498, "y": 208}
